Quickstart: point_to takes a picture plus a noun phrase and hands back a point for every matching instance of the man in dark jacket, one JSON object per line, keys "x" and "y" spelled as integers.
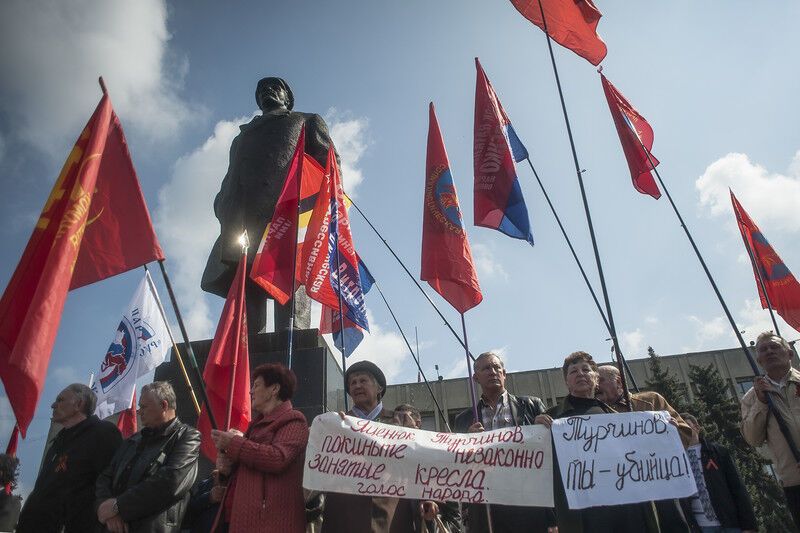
{"x": 722, "y": 500}
{"x": 146, "y": 486}
{"x": 63, "y": 495}
{"x": 497, "y": 409}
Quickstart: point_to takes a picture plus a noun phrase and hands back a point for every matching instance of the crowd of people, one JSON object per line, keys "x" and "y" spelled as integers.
{"x": 93, "y": 480}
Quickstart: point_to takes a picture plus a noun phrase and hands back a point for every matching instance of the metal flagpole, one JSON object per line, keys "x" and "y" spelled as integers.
{"x": 580, "y": 265}
{"x": 778, "y": 418}
{"x": 579, "y": 173}
{"x": 238, "y": 324}
{"x": 472, "y": 394}
{"x": 290, "y": 337}
{"x": 416, "y": 345}
{"x": 189, "y": 350}
{"x": 410, "y": 275}
{"x": 413, "y": 356}
{"x": 172, "y": 339}
{"x": 341, "y": 315}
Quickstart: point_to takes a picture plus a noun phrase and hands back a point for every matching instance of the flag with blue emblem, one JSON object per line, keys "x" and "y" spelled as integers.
{"x": 499, "y": 203}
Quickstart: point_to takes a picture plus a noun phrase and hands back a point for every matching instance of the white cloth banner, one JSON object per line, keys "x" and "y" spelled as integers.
{"x": 140, "y": 344}
{"x": 511, "y": 466}
{"x": 613, "y": 459}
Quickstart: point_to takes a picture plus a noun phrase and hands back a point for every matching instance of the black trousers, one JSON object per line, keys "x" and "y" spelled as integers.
{"x": 793, "y": 501}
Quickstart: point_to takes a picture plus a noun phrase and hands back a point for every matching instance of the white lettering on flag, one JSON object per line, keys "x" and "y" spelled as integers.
{"x": 511, "y": 466}
{"x": 140, "y": 344}
{"x": 614, "y": 459}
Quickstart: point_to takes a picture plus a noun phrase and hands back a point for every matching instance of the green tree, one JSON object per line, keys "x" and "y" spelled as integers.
{"x": 718, "y": 412}
{"x": 665, "y": 383}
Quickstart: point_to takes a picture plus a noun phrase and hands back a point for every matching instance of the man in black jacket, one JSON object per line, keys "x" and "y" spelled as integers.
{"x": 146, "y": 486}
{"x": 722, "y": 500}
{"x": 63, "y": 495}
{"x": 497, "y": 409}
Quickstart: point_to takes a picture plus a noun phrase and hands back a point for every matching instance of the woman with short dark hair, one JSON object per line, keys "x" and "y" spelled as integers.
{"x": 265, "y": 490}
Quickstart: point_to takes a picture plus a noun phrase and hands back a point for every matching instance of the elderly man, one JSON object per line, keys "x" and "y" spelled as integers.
{"x": 63, "y": 496}
{"x": 146, "y": 486}
{"x": 782, "y": 384}
{"x": 497, "y": 409}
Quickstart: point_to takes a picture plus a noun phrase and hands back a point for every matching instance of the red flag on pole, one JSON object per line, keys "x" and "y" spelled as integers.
{"x": 272, "y": 266}
{"x": 633, "y": 131}
{"x": 446, "y": 257}
{"x": 227, "y": 371}
{"x": 781, "y": 285}
{"x": 127, "y": 423}
{"x": 570, "y": 23}
{"x": 31, "y": 306}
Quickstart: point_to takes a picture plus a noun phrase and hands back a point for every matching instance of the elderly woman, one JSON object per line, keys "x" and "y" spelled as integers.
{"x": 580, "y": 375}
{"x": 265, "y": 490}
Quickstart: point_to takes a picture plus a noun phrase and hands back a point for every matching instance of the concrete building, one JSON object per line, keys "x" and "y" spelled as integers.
{"x": 548, "y": 384}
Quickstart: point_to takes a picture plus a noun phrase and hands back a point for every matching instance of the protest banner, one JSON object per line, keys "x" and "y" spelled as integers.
{"x": 510, "y": 466}
{"x": 614, "y": 459}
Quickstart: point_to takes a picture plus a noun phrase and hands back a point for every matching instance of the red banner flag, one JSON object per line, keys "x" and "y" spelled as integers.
{"x": 31, "y": 306}
{"x": 446, "y": 257}
{"x": 570, "y": 23}
{"x": 633, "y": 131}
{"x": 127, "y": 423}
{"x": 272, "y": 266}
{"x": 227, "y": 371}
{"x": 782, "y": 287}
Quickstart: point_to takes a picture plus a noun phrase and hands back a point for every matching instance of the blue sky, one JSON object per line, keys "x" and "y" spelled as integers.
{"x": 716, "y": 80}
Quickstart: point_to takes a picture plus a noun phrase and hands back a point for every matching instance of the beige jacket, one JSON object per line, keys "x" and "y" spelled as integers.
{"x": 758, "y": 426}
{"x": 653, "y": 401}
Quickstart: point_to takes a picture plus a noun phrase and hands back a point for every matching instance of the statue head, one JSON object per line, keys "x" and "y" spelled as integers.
{"x": 274, "y": 93}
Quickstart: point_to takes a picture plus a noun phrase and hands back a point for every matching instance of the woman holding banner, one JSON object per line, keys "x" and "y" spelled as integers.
{"x": 265, "y": 491}
{"x": 581, "y": 377}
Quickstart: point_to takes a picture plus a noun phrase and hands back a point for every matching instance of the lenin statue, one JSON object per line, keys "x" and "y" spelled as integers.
{"x": 259, "y": 161}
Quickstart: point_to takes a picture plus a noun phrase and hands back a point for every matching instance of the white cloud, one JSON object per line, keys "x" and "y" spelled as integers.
{"x": 349, "y": 138}
{"x": 458, "y": 369}
{"x": 710, "y": 332}
{"x": 753, "y": 319}
{"x": 52, "y": 52}
{"x": 632, "y": 343}
{"x": 384, "y": 348}
{"x": 652, "y": 320}
{"x": 769, "y": 198}
{"x": 485, "y": 263}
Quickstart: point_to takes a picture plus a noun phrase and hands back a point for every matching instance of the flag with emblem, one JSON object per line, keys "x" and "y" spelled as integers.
{"x": 446, "y": 257}
{"x": 141, "y": 342}
{"x": 227, "y": 370}
{"x": 636, "y": 137}
{"x": 499, "y": 203}
{"x": 781, "y": 286}
{"x": 331, "y": 323}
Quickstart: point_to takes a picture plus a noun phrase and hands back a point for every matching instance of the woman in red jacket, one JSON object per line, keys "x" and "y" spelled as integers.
{"x": 265, "y": 490}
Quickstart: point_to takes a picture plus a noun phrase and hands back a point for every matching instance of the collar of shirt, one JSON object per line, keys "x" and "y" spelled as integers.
{"x": 372, "y": 415}
{"x": 503, "y": 400}
{"x": 784, "y": 380}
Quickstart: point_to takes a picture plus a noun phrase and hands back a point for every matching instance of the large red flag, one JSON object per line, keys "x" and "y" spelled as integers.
{"x": 782, "y": 287}
{"x": 227, "y": 371}
{"x": 633, "y": 131}
{"x": 446, "y": 258}
{"x": 570, "y": 23}
{"x": 127, "y": 423}
{"x": 272, "y": 266}
{"x": 31, "y": 306}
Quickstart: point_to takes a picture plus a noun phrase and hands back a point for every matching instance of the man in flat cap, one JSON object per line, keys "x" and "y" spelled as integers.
{"x": 259, "y": 161}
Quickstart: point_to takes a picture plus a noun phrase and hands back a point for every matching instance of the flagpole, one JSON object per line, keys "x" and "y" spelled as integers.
{"x": 341, "y": 313}
{"x": 189, "y": 350}
{"x": 472, "y": 394}
{"x": 172, "y": 339}
{"x": 416, "y": 345}
{"x": 413, "y": 356}
{"x": 410, "y": 275}
{"x": 771, "y": 406}
{"x": 290, "y": 337}
{"x": 760, "y": 279}
{"x": 612, "y": 328}
{"x": 239, "y": 330}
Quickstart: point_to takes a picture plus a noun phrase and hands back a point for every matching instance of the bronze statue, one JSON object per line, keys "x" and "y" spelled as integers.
{"x": 259, "y": 160}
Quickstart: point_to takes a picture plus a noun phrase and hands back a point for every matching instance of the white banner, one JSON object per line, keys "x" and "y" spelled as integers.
{"x": 511, "y": 466}
{"x": 614, "y": 459}
{"x": 140, "y": 344}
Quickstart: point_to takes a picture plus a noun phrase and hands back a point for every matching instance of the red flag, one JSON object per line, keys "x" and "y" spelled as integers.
{"x": 570, "y": 23}
{"x": 227, "y": 371}
{"x": 31, "y": 306}
{"x": 446, "y": 258}
{"x": 126, "y": 423}
{"x": 118, "y": 235}
{"x": 782, "y": 287}
{"x": 272, "y": 266}
{"x": 633, "y": 131}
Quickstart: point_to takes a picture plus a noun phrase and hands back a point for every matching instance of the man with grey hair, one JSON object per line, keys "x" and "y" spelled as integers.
{"x": 146, "y": 486}
{"x": 63, "y": 496}
{"x": 782, "y": 383}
